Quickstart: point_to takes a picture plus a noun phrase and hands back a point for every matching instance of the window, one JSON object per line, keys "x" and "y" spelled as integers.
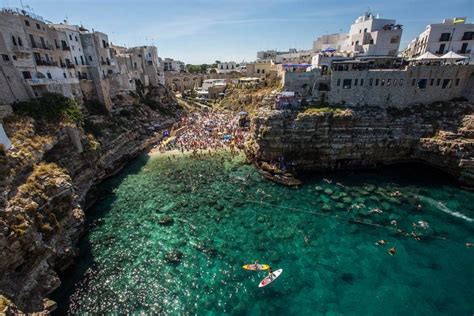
{"x": 441, "y": 48}
{"x": 382, "y": 83}
{"x": 104, "y": 43}
{"x": 400, "y": 83}
{"x": 413, "y": 81}
{"x": 371, "y": 81}
{"x": 70, "y": 37}
{"x": 33, "y": 43}
{"x": 5, "y": 57}
{"x": 376, "y": 82}
{"x": 14, "y": 57}
{"x": 13, "y": 40}
{"x": 356, "y": 81}
{"x": 371, "y": 41}
{"x": 27, "y": 23}
{"x": 56, "y": 43}
{"x": 346, "y": 83}
{"x": 395, "y": 39}
{"x": 75, "y": 60}
{"x": 20, "y": 42}
{"x": 394, "y": 82}
{"x": 26, "y": 74}
{"x": 447, "y": 83}
{"x": 365, "y": 30}
{"x": 463, "y": 48}
{"x": 445, "y": 37}
{"x": 90, "y": 58}
{"x": 258, "y": 70}
{"x": 422, "y": 83}
{"x": 360, "y": 31}
{"x": 457, "y": 82}
{"x": 75, "y": 37}
{"x": 263, "y": 71}
{"x": 64, "y": 75}
{"x": 38, "y": 26}
{"x": 357, "y": 42}
{"x": 82, "y": 60}
{"x": 468, "y": 36}
{"x": 338, "y": 82}
{"x": 389, "y": 82}
{"x": 49, "y": 75}
{"x": 431, "y": 82}
{"x": 361, "y": 82}
{"x": 438, "y": 82}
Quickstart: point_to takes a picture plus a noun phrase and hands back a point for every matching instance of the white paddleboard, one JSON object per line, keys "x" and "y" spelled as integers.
{"x": 269, "y": 279}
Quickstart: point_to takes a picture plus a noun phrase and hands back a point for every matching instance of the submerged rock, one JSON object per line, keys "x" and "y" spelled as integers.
{"x": 174, "y": 256}
{"x": 166, "y": 220}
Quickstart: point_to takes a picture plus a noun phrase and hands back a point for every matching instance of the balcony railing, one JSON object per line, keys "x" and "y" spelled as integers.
{"x": 46, "y": 81}
{"x": 46, "y": 63}
{"x": 467, "y": 51}
{"x": 71, "y": 66}
{"x": 66, "y": 48}
{"x": 21, "y": 49}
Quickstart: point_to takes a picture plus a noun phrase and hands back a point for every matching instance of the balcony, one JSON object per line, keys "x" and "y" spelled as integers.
{"x": 21, "y": 49}
{"x": 46, "y": 81}
{"x": 43, "y": 47}
{"x": 467, "y": 51}
{"x": 70, "y": 66}
{"x": 46, "y": 63}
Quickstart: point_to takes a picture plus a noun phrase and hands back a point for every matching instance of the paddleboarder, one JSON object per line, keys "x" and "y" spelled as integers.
{"x": 270, "y": 273}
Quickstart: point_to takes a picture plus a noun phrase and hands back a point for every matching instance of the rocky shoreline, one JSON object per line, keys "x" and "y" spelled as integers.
{"x": 319, "y": 139}
{"x": 45, "y": 183}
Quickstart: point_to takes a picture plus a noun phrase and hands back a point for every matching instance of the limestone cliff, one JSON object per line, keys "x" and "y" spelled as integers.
{"x": 316, "y": 139}
{"x": 44, "y": 181}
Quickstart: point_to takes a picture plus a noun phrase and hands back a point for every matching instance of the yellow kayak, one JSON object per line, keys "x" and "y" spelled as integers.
{"x": 258, "y": 267}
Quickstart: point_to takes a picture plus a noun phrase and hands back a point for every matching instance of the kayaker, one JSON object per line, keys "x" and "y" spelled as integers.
{"x": 256, "y": 265}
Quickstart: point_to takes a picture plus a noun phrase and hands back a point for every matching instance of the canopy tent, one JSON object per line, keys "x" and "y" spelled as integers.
{"x": 427, "y": 56}
{"x": 452, "y": 55}
{"x": 328, "y": 50}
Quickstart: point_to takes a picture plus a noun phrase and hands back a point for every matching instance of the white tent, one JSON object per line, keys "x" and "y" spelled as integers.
{"x": 427, "y": 56}
{"x": 452, "y": 55}
{"x": 4, "y": 139}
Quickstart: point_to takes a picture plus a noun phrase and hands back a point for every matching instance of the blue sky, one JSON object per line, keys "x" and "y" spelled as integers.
{"x": 199, "y": 31}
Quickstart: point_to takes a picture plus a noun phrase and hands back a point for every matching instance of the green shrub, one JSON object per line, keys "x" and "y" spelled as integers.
{"x": 50, "y": 107}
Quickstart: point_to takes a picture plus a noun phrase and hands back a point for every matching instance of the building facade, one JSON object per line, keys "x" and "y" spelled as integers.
{"x": 39, "y": 57}
{"x": 371, "y": 36}
{"x": 439, "y": 38}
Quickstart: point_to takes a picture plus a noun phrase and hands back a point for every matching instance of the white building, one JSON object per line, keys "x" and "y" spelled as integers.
{"x": 371, "y": 36}
{"x": 170, "y": 64}
{"x": 331, "y": 41}
{"x": 439, "y": 38}
{"x": 227, "y": 67}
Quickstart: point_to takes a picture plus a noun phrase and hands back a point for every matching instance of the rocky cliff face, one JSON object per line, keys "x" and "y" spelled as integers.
{"x": 441, "y": 135}
{"x": 44, "y": 181}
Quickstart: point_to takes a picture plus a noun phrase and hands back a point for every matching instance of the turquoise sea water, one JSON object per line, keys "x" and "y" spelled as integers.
{"x": 323, "y": 235}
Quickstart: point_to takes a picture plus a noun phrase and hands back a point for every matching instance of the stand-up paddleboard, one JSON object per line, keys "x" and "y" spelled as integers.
{"x": 269, "y": 279}
{"x": 259, "y": 267}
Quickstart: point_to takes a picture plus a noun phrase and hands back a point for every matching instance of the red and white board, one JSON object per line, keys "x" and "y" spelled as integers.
{"x": 270, "y": 278}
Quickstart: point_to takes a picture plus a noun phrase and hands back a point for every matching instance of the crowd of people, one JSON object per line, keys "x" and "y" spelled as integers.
{"x": 206, "y": 131}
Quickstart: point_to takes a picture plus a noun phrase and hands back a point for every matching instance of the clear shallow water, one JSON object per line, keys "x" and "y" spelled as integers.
{"x": 226, "y": 215}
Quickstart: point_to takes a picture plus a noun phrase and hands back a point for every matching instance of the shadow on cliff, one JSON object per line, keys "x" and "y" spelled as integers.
{"x": 402, "y": 173}
{"x": 77, "y": 275}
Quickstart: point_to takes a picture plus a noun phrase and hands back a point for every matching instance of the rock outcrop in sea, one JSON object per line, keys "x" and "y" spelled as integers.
{"x": 45, "y": 185}
{"x": 319, "y": 139}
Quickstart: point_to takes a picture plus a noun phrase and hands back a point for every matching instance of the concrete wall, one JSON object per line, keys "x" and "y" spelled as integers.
{"x": 385, "y": 87}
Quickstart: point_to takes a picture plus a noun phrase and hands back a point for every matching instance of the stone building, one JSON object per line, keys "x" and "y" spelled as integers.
{"x": 331, "y": 41}
{"x": 261, "y": 68}
{"x": 170, "y": 64}
{"x": 439, "y": 38}
{"x": 226, "y": 67}
{"x": 355, "y": 83}
{"x": 38, "y": 57}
